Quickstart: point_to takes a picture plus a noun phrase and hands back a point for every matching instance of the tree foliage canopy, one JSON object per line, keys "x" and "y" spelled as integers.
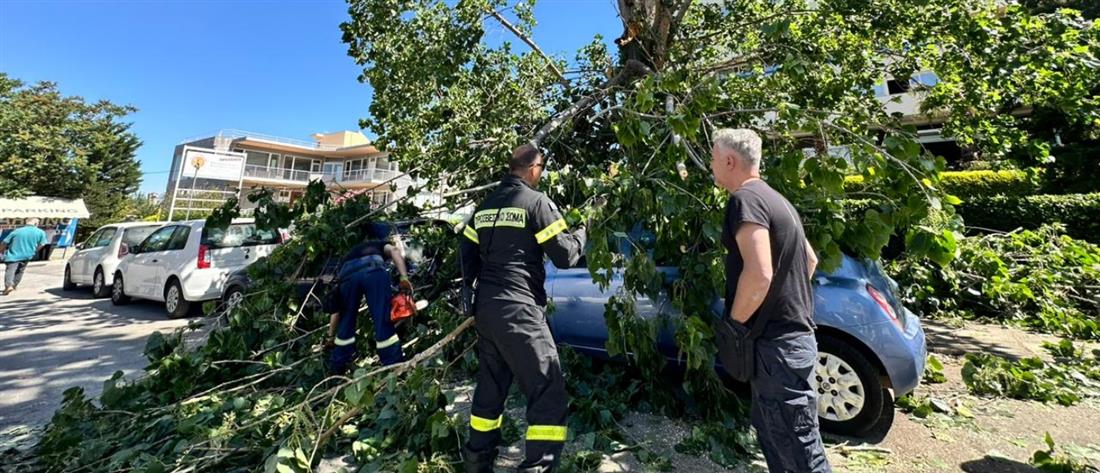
{"x": 633, "y": 123}
{"x": 62, "y": 146}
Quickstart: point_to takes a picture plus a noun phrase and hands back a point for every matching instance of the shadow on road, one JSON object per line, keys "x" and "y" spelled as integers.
{"x": 948, "y": 340}
{"x": 996, "y": 465}
{"x": 18, "y": 314}
{"x": 51, "y": 340}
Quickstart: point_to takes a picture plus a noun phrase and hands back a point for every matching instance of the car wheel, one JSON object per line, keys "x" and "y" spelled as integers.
{"x": 118, "y": 296}
{"x": 175, "y": 303}
{"x": 232, "y": 298}
{"x": 99, "y": 284}
{"x": 67, "y": 284}
{"x": 850, "y": 396}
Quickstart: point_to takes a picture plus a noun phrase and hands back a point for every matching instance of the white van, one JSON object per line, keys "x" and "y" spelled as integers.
{"x": 97, "y": 257}
{"x": 183, "y": 263}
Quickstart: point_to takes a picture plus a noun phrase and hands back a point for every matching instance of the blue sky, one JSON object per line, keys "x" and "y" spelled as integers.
{"x": 195, "y": 67}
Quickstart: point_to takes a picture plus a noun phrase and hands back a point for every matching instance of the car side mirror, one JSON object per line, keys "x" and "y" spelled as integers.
{"x": 125, "y": 249}
{"x": 79, "y": 246}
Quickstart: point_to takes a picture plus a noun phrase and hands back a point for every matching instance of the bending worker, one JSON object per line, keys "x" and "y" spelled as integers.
{"x": 363, "y": 273}
{"x": 502, "y": 250}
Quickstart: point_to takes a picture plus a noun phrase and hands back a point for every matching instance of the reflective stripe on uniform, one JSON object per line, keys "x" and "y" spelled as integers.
{"x": 549, "y": 433}
{"x": 471, "y": 234}
{"x": 482, "y": 424}
{"x": 551, "y": 231}
{"x": 503, "y": 217}
{"x": 343, "y": 342}
{"x": 388, "y": 342}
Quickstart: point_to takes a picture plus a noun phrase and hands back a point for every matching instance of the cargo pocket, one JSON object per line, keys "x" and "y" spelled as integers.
{"x": 775, "y": 431}
{"x": 805, "y": 447}
{"x": 799, "y": 353}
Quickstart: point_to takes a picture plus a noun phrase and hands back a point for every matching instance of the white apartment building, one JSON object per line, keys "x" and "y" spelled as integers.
{"x": 233, "y": 159}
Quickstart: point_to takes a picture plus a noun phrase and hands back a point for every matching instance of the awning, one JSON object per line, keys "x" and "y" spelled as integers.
{"x": 43, "y": 207}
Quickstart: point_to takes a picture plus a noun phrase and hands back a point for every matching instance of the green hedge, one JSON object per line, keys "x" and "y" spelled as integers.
{"x": 1079, "y": 212}
{"x": 989, "y": 183}
{"x": 1013, "y": 182}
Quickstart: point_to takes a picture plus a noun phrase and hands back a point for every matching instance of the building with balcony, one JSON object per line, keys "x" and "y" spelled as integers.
{"x": 344, "y": 160}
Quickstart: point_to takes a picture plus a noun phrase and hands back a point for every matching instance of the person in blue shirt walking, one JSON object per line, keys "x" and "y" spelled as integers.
{"x": 19, "y": 247}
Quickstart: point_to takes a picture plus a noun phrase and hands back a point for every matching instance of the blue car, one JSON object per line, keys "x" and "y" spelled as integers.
{"x": 868, "y": 341}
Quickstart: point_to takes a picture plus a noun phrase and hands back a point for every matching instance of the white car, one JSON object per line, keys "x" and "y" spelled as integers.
{"x": 183, "y": 263}
{"x": 97, "y": 257}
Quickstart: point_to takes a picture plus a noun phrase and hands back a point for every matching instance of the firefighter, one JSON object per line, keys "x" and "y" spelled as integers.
{"x": 363, "y": 273}
{"x": 502, "y": 251}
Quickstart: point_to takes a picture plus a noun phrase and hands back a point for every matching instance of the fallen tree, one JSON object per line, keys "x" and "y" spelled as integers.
{"x": 631, "y": 126}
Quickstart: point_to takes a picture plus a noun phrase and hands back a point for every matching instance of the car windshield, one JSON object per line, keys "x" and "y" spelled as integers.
{"x": 134, "y": 235}
{"x": 238, "y": 234}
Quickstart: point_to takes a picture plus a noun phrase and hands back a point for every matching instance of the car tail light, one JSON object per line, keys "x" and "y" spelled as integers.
{"x": 204, "y": 257}
{"x": 884, "y": 304}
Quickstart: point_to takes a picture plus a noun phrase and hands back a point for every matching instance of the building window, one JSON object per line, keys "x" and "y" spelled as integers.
{"x": 896, "y": 87}
{"x": 255, "y": 158}
{"x": 298, "y": 163}
{"x": 333, "y": 169}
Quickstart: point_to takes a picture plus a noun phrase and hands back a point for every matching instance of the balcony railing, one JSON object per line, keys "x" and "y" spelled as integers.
{"x": 280, "y": 174}
{"x": 283, "y": 174}
{"x": 368, "y": 175}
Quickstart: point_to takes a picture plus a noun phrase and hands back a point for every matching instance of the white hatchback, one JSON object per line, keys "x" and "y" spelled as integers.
{"x": 97, "y": 257}
{"x": 184, "y": 263}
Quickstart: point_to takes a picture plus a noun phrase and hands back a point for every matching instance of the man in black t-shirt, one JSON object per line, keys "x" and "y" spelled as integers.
{"x": 769, "y": 265}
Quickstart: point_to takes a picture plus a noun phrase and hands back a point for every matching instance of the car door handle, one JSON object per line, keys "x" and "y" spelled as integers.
{"x": 156, "y": 261}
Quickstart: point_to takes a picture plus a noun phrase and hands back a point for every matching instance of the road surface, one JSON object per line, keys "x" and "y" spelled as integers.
{"x": 51, "y": 340}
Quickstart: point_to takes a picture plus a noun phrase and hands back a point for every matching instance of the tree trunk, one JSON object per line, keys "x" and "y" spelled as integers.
{"x": 647, "y": 28}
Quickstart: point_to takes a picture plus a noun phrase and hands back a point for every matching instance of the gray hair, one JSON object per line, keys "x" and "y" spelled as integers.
{"x": 32, "y": 221}
{"x": 744, "y": 142}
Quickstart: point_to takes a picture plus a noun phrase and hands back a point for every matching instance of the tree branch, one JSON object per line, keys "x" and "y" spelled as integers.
{"x": 534, "y": 47}
{"x": 884, "y": 153}
{"x": 397, "y": 368}
{"x": 677, "y": 19}
{"x": 633, "y": 70}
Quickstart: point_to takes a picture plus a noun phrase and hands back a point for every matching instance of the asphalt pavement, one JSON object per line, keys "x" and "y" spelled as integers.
{"x": 51, "y": 340}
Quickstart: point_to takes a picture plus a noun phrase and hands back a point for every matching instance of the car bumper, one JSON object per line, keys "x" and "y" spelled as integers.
{"x": 204, "y": 284}
{"x": 904, "y": 362}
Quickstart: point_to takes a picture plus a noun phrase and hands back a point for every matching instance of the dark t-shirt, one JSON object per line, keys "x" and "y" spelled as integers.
{"x": 367, "y": 248}
{"x": 788, "y": 307}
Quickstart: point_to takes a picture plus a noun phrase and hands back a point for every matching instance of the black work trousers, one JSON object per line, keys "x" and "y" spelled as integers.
{"x": 515, "y": 342}
{"x": 784, "y": 405}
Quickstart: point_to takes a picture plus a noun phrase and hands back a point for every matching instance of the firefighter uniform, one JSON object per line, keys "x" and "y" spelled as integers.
{"x": 503, "y": 249}
{"x": 363, "y": 275}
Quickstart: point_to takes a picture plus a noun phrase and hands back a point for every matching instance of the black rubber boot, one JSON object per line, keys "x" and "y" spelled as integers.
{"x": 479, "y": 462}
